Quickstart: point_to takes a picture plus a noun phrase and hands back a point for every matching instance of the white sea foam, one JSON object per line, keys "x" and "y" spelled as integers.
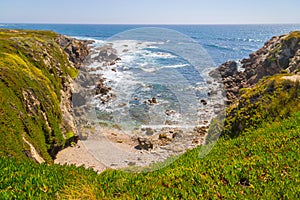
{"x": 154, "y": 69}
{"x": 159, "y": 55}
{"x": 96, "y": 43}
{"x": 175, "y": 66}
{"x": 152, "y": 47}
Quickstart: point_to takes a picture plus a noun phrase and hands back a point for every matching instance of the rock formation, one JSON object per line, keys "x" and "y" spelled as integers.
{"x": 77, "y": 50}
{"x": 281, "y": 54}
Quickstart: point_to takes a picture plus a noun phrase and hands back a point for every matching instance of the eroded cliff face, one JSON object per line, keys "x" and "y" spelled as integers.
{"x": 36, "y": 72}
{"x": 77, "y": 52}
{"x": 281, "y": 54}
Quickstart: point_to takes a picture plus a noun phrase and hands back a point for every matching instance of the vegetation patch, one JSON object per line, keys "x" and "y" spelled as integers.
{"x": 293, "y": 34}
{"x": 272, "y": 99}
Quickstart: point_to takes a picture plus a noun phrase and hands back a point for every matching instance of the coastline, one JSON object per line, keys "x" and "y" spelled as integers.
{"x": 256, "y": 156}
{"x": 119, "y": 144}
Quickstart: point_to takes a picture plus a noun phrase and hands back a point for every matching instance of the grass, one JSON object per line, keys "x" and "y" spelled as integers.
{"x": 272, "y": 99}
{"x": 267, "y": 157}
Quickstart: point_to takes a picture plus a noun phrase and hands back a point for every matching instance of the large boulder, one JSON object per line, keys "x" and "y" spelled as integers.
{"x": 144, "y": 143}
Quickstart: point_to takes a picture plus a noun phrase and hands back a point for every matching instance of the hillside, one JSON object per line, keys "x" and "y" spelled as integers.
{"x": 256, "y": 158}
{"x": 272, "y": 99}
{"x": 35, "y": 77}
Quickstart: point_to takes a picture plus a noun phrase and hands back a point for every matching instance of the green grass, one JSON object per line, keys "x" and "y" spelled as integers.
{"x": 267, "y": 156}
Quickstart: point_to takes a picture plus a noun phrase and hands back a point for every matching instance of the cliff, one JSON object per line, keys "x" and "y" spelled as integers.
{"x": 36, "y": 72}
{"x": 281, "y": 54}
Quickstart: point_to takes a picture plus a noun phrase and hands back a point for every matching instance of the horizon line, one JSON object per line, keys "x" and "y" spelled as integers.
{"x": 160, "y": 24}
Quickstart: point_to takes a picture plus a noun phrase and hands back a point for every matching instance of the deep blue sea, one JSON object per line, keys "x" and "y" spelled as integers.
{"x": 223, "y": 42}
{"x": 163, "y": 61}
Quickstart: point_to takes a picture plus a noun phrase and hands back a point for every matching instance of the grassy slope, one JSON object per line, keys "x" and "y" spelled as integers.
{"x": 266, "y": 155}
{"x": 32, "y": 67}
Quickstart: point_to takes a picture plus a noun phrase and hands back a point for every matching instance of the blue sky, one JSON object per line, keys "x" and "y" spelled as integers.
{"x": 150, "y": 11}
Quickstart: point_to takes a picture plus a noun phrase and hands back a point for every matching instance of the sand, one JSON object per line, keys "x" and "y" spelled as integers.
{"x": 79, "y": 155}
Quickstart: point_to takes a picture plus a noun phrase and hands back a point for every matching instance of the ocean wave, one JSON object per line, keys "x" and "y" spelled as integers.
{"x": 154, "y": 69}
{"x": 97, "y": 42}
{"x": 249, "y": 40}
{"x": 159, "y": 55}
{"x": 152, "y": 47}
{"x": 174, "y": 66}
{"x": 248, "y": 49}
{"x": 219, "y": 47}
{"x": 238, "y": 39}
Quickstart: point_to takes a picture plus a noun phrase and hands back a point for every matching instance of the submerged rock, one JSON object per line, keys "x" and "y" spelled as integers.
{"x": 151, "y": 101}
{"x": 149, "y": 131}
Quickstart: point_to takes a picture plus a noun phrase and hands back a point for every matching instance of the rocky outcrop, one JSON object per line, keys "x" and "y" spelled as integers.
{"x": 77, "y": 50}
{"x": 103, "y": 91}
{"x": 281, "y": 54}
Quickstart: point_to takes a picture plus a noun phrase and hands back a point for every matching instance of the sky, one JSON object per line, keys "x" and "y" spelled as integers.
{"x": 150, "y": 11}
